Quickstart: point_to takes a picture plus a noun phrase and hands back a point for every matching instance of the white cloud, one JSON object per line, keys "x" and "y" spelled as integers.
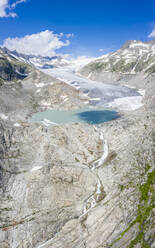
{"x": 44, "y": 43}
{"x": 101, "y": 50}
{"x": 4, "y": 6}
{"x": 70, "y": 35}
{"x": 77, "y": 63}
{"x": 6, "y": 9}
{"x": 13, "y": 5}
{"x": 104, "y": 50}
{"x": 61, "y": 34}
{"x": 152, "y": 34}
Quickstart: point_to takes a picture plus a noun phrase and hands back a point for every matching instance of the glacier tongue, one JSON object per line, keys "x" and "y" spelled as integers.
{"x": 100, "y": 94}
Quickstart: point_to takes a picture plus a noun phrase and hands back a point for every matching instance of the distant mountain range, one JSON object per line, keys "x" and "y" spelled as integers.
{"x": 132, "y": 58}
{"x": 37, "y": 60}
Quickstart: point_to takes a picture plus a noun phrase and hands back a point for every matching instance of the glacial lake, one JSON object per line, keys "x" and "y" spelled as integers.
{"x": 90, "y": 115}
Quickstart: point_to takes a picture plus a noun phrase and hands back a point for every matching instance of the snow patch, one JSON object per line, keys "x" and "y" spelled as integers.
{"x": 127, "y": 103}
{"x": 47, "y": 123}
{"x": 138, "y": 44}
{"x": 22, "y": 74}
{"x": 65, "y": 98}
{"x": 90, "y": 74}
{"x": 38, "y": 91}
{"x": 3, "y": 116}
{"x": 45, "y": 243}
{"x": 44, "y": 103}
{"x": 141, "y": 91}
{"x": 95, "y": 99}
{"x": 36, "y": 168}
{"x": 153, "y": 63}
{"x": 40, "y": 85}
{"x": 17, "y": 124}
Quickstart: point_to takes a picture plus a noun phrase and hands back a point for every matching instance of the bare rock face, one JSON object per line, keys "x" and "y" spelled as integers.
{"x": 45, "y": 183}
{"x": 51, "y": 196}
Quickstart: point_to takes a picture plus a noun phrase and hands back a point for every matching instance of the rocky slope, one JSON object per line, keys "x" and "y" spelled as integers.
{"x": 133, "y": 58}
{"x": 12, "y": 68}
{"x": 74, "y": 185}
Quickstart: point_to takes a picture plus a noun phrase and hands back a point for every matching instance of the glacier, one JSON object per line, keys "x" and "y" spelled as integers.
{"x": 100, "y": 94}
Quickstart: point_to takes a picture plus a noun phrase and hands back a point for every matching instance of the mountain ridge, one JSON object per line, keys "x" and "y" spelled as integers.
{"x": 132, "y": 58}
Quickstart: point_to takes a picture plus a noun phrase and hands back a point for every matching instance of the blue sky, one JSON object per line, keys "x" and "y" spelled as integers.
{"x": 99, "y": 26}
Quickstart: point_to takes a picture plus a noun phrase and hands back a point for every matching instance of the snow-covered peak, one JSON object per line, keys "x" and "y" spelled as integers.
{"x": 134, "y": 56}
{"x": 139, "y": 45}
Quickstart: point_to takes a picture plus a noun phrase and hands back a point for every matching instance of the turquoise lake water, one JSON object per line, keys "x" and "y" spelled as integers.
{"x": 91, "y": 116}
